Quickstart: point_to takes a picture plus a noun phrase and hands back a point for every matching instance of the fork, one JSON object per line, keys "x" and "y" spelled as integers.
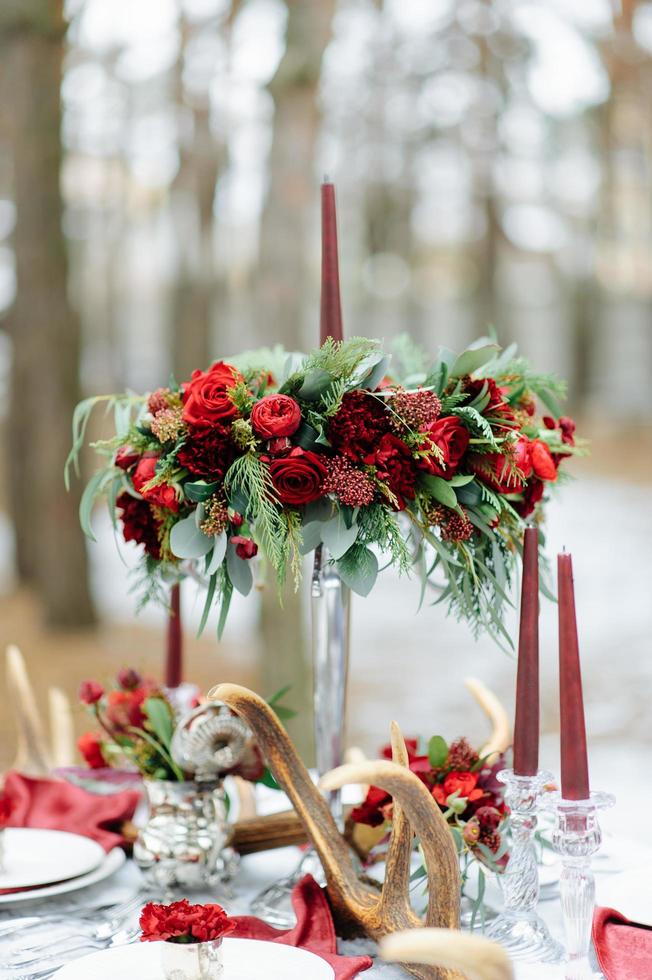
{"x": 113, "y": 916}
{"x": 122, "y": 938}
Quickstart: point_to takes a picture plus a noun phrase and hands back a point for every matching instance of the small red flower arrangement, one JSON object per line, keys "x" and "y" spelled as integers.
{"x": 184, "y": 923}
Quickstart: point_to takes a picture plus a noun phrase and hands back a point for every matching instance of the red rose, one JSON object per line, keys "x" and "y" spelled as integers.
{"x": 542, "y": 462}
{"x": 464, "y": 783}
{"x": 163, "y": 495}
{"x": 126, "y": 457}
{"x": 395, "y": 467}
{"x": 206, "y": 398}
{"x": 6, "y": 807}
{"x": 139, "y": 523}
{"x": 532, "y": 494}
{"x": 275, "y": 415}
{"x": 128, "y": 678}
{"x": 124, "y": 708}
{"x": 90, "y": 747}
{"x": 452, "y": 439}
{"x": 191, "y": 923}
{"x": 90, "y": 692}
{"x": 244, "y": 547}
{"x": 497, "y": 406}
{"x": 208, "y": 452}
{"x": 505, "y": 474}
{"x": 373, "y": 811}
{"x": 298, "y": 477}
{"x": 360, "y": 422}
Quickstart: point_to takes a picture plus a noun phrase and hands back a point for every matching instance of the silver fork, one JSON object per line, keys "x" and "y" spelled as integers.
{"x": 111, "y": 916}
{"x": 122, "y": 938}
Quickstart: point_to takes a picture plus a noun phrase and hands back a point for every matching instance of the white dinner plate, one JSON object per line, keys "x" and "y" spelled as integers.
{"x": 40, "y": 857}
{"x": 244, "y": 959}
{"x": 108, "y": 866}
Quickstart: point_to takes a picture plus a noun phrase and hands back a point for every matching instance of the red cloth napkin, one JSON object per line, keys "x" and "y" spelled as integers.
{"x": 313, "y": 932}
{"x": 623, "y": 948}
{"x": 51, "y": 804}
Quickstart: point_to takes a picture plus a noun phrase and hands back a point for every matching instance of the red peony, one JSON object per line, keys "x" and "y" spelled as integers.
{"x": 139, "y": 523}
{"x": 124, "y": 708}
{"x": 275, "y": 415}
{"x": 244, "y": 547}
{"x": 452, "y": 439}
{"x": 208, "y": 452}
{"x": 90, "y": 692}
{"x": 126, "y": 457}
{"x": 163, "y": 495}
{"x": 298, "y": 477}
{"x": 183, "y": 922}
{"x": 90, "y": 747}
{"x": 360, "y": 422}
{"x": 464, "y": 783}
{"x": 129, "y": 679}
{"x": 396, "y": 468}
{"x": 206, "y": 399}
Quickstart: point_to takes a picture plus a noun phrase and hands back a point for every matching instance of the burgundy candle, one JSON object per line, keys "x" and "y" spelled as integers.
{"x": 574, "y": 764}
{"x": 330, "y": 324}
{"x": 174, "y": 655}
{"x": 526, "y": 724}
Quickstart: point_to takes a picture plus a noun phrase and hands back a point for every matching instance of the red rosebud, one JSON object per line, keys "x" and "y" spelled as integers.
{"x": 236, "y": 519}
{"x": 129, "y": 679}
{"x": 244, "y": 547}
{"x": 90, "y": 747}
{"x": 279, "y": 446}
{"x": 275, "y": 415}
{"x": 90, "y": 692}
{"x": 126, "y": 457}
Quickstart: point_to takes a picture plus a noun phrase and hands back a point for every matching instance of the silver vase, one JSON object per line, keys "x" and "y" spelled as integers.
{"x": 192, "y": 961}
{"x": 330, "y": 613}
{"x": 184, "y": 843}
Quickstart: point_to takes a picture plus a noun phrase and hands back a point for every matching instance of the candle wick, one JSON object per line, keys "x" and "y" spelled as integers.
{"x": 326, "y": 179}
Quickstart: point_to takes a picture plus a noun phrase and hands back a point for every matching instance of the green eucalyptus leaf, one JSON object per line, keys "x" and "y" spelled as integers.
{"x": 188, "y": 541}
{"x": 199, "y": 490}
{"x": 461, "y": 480}
{"x": 441, "y": 490}
{"x": 306, "y": 436}
{"x": 239, "y": 570}
{"x": 92, "y": 491}
{"x": 473, "y": 358}
{"x": 208, "y": 602}
{"x": 359, "y": 569}
{"x": 219, "y": 550}
{"x": 437, "y": 751}
{"x": 337, "y": 537}
{"x": 315, "y": 384}
{"x": 227, "y": 593}
{"x": 160, "y": 719}
{"x": 311, "y": 537}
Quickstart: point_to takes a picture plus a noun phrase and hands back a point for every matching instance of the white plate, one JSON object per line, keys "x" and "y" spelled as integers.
{"x": 39, "y": 857}
{"x": 244, "y": 959}
{"x": 110, "y": 864}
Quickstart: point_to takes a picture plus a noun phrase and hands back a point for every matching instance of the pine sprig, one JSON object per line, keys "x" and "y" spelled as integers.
{"x": 251, "y": 478}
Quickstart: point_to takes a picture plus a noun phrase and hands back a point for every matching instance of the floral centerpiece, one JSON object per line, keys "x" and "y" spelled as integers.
{"x": 431, "y": 465}
{"x": 191, "y": 935}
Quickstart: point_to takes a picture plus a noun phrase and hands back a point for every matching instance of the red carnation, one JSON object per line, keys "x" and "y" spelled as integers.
{"x": 90, "y": 747}
{"x": 163, "y": 495}
{"x": 244, "y": 547}
{"x": 452, "y": 440}
{"x": 183, "y": 922}
{"x": 206, "y": 399}
{"x": 298, "y": 477}
{"x": 396, "y": 468}
{"x": 275, "y": 415}
{"x": 90, "y": 692}
{"x": 360, "y": 422}
{"x": 139, "y": 523}
{"x": 208, "y": 452}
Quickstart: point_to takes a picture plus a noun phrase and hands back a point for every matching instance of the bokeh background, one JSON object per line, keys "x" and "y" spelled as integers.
{"x": 160, "y": 163}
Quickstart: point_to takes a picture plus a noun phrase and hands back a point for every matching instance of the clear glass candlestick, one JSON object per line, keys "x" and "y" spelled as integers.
{"x": 576, "y": 837}
{"x": 518, "y": 928}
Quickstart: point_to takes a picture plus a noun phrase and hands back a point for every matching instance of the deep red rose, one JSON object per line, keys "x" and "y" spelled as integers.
{"x": 208, "y": 452}
{"x": 542, "y": 462}
{"x": 465, "y": 783}
{"x": 360, "y": 422}
{"x": 194, "y": 923}
{"x": 129, "y": 679}
{"x": 6, "y": 807}
{"x": 90, "y": 747}
{"x": 395, "y": 467}
{"x": 298, "y": 477}
{"x": 124, "y": 708}
{"x": 206, "y": 399}
{"x": 375, "y": 808}
{"x": 126, "y": 457}
{"x": 452, "y": 439}
{"x": 275, "y": 415}
{"x": 139, "y": 523}
{"x": 163, "y": 495}
{"x": 90, "y": 692}
{"x": 244, "y": 547}
{"x": 532, "y": 494}
{"x": 497, "y": 406}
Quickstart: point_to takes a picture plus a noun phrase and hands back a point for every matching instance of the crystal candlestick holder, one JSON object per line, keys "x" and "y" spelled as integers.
{"x": 576, "y": 837}
{"x": 518, "y": 928}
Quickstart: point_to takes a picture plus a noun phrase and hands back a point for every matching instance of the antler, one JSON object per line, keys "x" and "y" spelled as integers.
{"x": 501, "y": 734}
{"x": 357, "y": 906}
{"x": 476, "y": 957}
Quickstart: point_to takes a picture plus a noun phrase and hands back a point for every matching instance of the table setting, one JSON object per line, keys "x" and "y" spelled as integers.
{"x": 196, "y": 844}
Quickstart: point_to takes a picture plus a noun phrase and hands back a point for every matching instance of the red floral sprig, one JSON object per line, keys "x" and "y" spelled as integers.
{"x": 182, "y": 922}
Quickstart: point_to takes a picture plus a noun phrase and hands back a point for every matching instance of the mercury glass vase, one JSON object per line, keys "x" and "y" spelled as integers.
{"x": 192, "y": 961}
{"x": 330, "y": 615}
{"x": 184, "y": 843}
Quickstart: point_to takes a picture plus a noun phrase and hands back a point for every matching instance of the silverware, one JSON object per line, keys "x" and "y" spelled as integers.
{"x": 108, "y": 923}
{"x": 122, "y": 938}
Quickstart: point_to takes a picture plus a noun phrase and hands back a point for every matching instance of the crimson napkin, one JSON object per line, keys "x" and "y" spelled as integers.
{"x": 623, "y": 948}
{"x": 51, "y": 804}
{"x": 313, "y": 932}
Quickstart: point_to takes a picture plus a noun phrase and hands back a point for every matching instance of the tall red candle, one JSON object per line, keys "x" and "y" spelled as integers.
{"x": 330, "y": 323}
{"x": 526, "y": 723}
{"x": 574, "y": 763}
{"x": 174, "y": 653}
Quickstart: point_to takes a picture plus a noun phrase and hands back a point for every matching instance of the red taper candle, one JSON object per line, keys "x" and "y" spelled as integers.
{"x": 526, "y": 723}
{"x": 174, "y": 653}
{"x": 330, "y": 322}
{"x": 574, "y": 763}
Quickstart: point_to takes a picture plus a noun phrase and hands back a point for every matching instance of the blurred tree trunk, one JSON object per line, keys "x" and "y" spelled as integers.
{"x": 45, "y": 331}
{"x": 290, "y": 206}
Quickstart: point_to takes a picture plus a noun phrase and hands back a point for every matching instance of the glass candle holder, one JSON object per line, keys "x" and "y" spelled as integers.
{"x": 576, "y": 837}
{"x": 192, "y": 961}
{"x": 518, "y": 928}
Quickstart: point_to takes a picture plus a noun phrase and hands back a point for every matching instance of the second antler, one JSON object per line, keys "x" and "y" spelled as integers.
{"x": 358, "y": 907}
